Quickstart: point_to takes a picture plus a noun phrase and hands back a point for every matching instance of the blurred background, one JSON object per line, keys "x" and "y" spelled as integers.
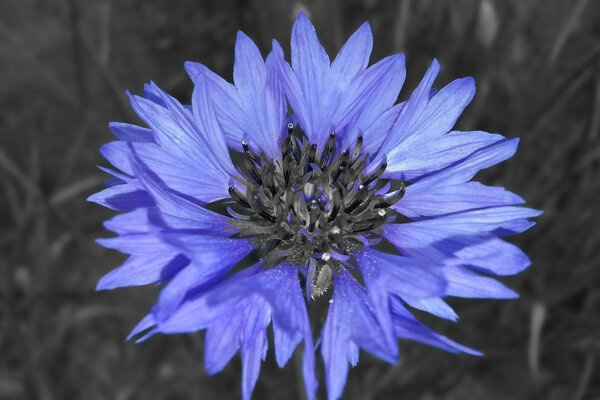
{"x": 64, "y": 67}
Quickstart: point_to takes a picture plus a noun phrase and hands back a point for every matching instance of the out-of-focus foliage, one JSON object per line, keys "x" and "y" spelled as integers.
{"x": 65, "y": 65}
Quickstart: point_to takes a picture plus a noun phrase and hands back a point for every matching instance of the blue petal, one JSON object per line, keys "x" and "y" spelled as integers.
{"x": 208, "y": 250}
{"x": 249, "y": 320}
{"x": 375, "y": 120}
{"x": 144, "y": 269}
{"x": 485, "y": 220}
{"x": 252, "y": 358}
{"x": 200, "y": 312}
{"x": 261, "y": 96}
{"x": 353, "y": 57}
{"x": 137, "y": 243}
{"x": 402, "y": 276}
{"x": 294, "y": 92}
{"x": 409, "y": 116}
{"x": 168, "y": 129}
{"x": 387, "y": 274}
{"x": 467, "y": 168}
{"x": 350, "y": 322}
{"x": 131, "y": 133}
{"x": 212, "y": 258}
{"x": 146, "y": 323}
{"x": 221, "y": 343}
{"x": 249, "y": 73}
{"x": 285, "y": 343}
{"x": 411, "y": 161}
{"x": 407, "y": 327}
{"x": 424, "y": 118}
{"x": 130, "y": 222}
{"x": 177, "y": 289}
{"x": 231, "y": 325}
{"x": 151, "y": 260}
{"x": 445, "y": 244}
{"x": 176, "y": 211}
{"x": 205, "y": 118}
{"x": 444, "y": 108}
{"x": 118, "y": 153}
{"x": 152, "y": 93}
{"x": 349, "y": 64}
{"x": 426, "y": 200}
{"x": 435, "y": 306}
{"x": 428, "y": 238}
{"x": 230, "y": 113}
{"x": 280, "y": 287}
{"x": 122, "y": 198}
{"x": 370, "y": 93}
{"x": 491, "y": 255}
{"x": 184, "y": 175}
{"x": 311, "y": 66}
{"x": 198, "y": 145}
{"x": 276, "y": 105}
{"x": 464, "y": 282}
{"x": 255, "y": 108}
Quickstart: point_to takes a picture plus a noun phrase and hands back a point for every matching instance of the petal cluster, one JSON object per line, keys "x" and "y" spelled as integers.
{"x": 167, "y": 176}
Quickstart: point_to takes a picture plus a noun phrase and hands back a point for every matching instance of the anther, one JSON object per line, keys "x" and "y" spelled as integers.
{"x": 358, "y": 199}
{"x": 325, "y": 256}
{"x": 358, "y": 146}
{"x": 246, "y": 147}
{"x": 376, "y": 174}
{"x": 392, "y": 198}
{"x": 313, "y": 153}
{"x": 328, "y": 150}
{"x": 238, "y": 197}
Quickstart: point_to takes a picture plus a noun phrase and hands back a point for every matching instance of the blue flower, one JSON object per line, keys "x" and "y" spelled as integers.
{"x": 249, "y": 216}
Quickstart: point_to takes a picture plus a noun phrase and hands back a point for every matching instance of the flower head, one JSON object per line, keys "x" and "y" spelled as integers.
{"x": 249, "y": 216}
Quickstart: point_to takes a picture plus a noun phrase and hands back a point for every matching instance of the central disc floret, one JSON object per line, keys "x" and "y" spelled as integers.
{"x": 312, "y": 208}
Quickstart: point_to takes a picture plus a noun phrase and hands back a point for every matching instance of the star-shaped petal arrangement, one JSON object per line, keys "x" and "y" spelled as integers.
{"x": 249, "y": 215}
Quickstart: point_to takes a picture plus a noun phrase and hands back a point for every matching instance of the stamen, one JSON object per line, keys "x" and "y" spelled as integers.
{"x": 310, "y": 203}
{"x": 376, "y": 174}
{"x": 238, "y": 197}
{"x": 357, "y": 147}
{"x": 328, "y": 151}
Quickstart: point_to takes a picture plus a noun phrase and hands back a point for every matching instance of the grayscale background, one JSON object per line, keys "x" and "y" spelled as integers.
{"x": 64, "y": 67}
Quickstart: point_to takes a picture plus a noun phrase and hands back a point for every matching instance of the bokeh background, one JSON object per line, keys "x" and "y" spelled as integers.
{"x": 64, "y": 67}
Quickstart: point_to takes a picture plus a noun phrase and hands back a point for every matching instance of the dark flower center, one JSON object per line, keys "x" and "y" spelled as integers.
{"x": 312, "y": 209}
